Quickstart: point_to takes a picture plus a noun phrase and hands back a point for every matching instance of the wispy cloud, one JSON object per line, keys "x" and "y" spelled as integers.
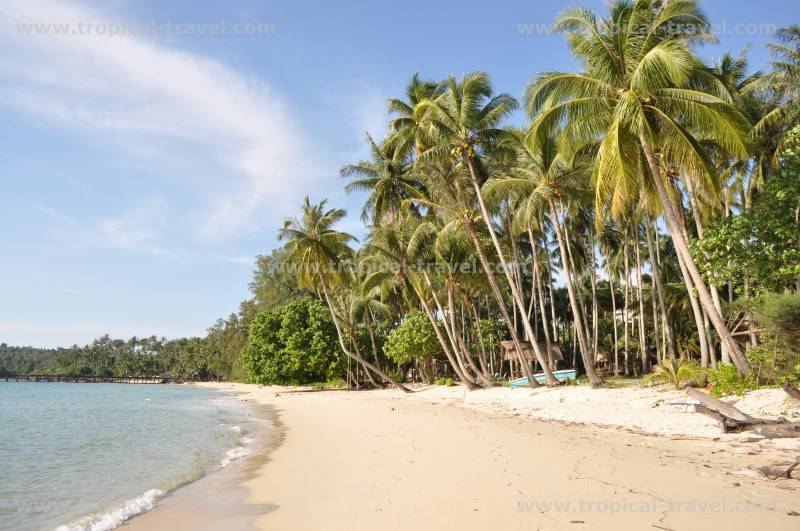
{"x": 147, "y": 98}
{"x": 136, "y": 230}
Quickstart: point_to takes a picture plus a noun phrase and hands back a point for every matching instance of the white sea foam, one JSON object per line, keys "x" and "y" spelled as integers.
{"x": 234, "y": 454}
{"x": 118, "y": 516}
{"x": 237, "y": 429}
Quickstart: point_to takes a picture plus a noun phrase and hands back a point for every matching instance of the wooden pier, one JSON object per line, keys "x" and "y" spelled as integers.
{"x": 89, "y": 379}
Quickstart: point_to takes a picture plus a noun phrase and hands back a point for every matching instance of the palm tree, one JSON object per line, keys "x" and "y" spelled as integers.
{"x": 544, "y": 176}
{"x": 783, "y": 82}
{"x": 388, "y": 179}
{"x": 635, "y": 92}
{"x": 318, "y": 252}
{"x": 394, "y": 249}
{"x": 408, "y": 131}
{"x": 464, "y": 127}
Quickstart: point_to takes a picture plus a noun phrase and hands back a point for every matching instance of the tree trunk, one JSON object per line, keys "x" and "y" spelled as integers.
{"x": 358, "y": 353}
{"x": 613, "y": 316}
{"x": 445, "y": 347}
{"x": 459, "y": 341}
{"x": 642, "y": 337}
{"x": 515, "y": 295}
{"x": 537, "y": 282}
{"x": 682, "y": 247}
{"x": 576, "y": 313}
{"x": 349, "y": 354}
{"x": 659, "y": 291}
{"x": 456, "y": 349}
{"x": 626, "y": 313}
{"x": 487, "y": 269}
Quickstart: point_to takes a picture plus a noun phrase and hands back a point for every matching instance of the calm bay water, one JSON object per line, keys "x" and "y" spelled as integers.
{"x": 89, "y": 456}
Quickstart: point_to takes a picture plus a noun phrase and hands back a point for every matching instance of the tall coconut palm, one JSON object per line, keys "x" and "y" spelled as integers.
{"x": 635, "y": 91}
{"x": 544, "y": 176}
{"x": 453, "y": 202}
{"x": 388, "y": 179}
{"x": 784, "y": 82}
{"x": 408, "y": 133}
{"x": 465, "y": 127}
{"x": 317, "y": 250}
{"x": 393, "y": 252}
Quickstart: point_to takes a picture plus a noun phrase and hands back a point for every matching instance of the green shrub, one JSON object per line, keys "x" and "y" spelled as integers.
{"x": 415, "y": 337}
{"x": 726, "y": 380}
{"x": 294, "y": 344}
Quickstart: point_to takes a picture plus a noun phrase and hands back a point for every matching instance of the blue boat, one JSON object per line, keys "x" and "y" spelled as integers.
{"x": 566, "y": 374}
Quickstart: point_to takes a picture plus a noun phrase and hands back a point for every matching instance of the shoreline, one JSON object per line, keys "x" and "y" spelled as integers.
{"x": 217, "y": 499}
{"x": 446, "y": 459}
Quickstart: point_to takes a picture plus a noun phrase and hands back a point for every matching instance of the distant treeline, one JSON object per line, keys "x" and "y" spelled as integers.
{"x": 213, "y": 357}
{"x": 217, "y": 356}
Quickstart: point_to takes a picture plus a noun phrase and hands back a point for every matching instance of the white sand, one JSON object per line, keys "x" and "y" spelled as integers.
{"x": 444, "y": 458}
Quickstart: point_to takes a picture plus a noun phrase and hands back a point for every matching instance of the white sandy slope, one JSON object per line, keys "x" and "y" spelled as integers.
{"x": 445, "y": 458}
{"x": 648, "y": 410}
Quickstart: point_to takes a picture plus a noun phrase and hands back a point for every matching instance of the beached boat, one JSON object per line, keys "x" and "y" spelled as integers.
{"x": 566, "y": 374}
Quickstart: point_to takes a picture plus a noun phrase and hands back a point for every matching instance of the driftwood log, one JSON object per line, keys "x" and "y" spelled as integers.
{"x": 792, "y": 391}
{"x": 734, "y": 420}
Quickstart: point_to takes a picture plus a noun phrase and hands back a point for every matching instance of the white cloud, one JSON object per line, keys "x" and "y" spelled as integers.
{"x": 147, "y": 98}
{"x": 136, "y": 230}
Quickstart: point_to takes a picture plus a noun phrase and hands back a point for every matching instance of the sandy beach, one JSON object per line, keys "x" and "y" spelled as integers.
{"x": 443, "y": 458}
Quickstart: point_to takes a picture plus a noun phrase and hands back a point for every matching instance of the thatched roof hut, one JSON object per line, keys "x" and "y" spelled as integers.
{"x": 508, "y": 351}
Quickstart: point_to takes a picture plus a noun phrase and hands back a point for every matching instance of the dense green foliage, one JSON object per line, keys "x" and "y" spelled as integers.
{"x": 413, "y": 338}
{"x": 294, "y": 344}
{"x": 725, "y": 380}
{"x": 760, "y": 245}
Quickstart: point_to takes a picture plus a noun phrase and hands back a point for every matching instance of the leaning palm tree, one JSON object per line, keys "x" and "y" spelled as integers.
{"x": 464, "y": 128}
{"x": 386, "y": 177}
{"x": 318, "y": 252}
{"x": 545, "y": 178}
{"x": 784, "y": 82}
{"x": 635, "y": 93}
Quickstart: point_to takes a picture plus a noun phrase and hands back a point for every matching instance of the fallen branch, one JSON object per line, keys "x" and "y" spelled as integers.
{"x": 735, "y": 421}
{"x": 779, "y": 471}
{"x": 792, "y": 391}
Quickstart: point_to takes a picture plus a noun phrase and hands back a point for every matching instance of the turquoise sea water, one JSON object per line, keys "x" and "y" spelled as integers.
{"x": 90, "y": 456}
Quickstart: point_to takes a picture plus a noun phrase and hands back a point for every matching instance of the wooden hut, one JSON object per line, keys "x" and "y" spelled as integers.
{"x": 508, "y": 353}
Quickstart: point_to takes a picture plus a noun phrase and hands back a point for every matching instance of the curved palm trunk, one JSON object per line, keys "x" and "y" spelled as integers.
{"x": 682, "y": 247}
{"x": 726, "y": 357}
{"x": 701, "y": 321}
{"x": 550, "y": 276}
{"x": 349, "y": 354}
{"x": 537, "y": 282}
{"x": 614, "y": 318}
{"x": 486, "y": 382}
{"x": 626, "y": 313}
{"x": 656, "y": 273}
{"x": 482, "y": 351}
{"x": 572, "y": 272}
{"x": 588, "y": 363}
{"x": 358, "y": 353}
{"x": 515, "y": 295}
{"x": 446, "y": 348}
{"x": 449, "y": 328}
{"x": 642, "y": 336}
{"x": 487, "y": 269}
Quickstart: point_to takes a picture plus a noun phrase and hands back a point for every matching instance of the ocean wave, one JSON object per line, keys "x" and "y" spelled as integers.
{"x": 234, "y": 454}
{"x": 118, "y": 516}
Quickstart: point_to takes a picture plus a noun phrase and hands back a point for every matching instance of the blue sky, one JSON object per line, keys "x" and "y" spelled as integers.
{"x": 143, "y": 172}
